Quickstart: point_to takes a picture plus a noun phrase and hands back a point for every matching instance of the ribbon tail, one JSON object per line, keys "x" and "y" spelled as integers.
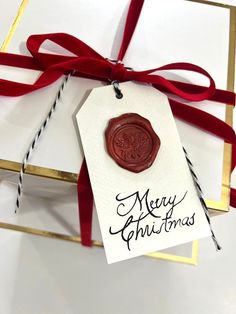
{"x": 210, "y": 124}
{"x": 85, "y": 203}
{"x": 203, "y": 120}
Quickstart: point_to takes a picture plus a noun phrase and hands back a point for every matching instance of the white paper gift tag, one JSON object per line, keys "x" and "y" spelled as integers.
{"x": 146, "y": 211}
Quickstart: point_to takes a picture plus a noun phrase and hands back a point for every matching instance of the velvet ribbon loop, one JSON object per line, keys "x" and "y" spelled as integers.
{"x": 88, "y": 63}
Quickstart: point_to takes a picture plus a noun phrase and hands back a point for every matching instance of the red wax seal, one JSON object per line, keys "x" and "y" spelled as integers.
{"x": 132, "y": 142}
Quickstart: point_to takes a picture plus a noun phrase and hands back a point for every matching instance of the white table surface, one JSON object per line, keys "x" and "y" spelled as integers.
{"x": 40, "y": 275}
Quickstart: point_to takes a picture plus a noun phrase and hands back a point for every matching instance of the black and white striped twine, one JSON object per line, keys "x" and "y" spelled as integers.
{"x": 200, "y": 195}
{"x": 36, "y": 138}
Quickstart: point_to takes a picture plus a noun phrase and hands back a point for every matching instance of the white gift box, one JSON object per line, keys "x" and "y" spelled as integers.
{"x": 167, "y": 31}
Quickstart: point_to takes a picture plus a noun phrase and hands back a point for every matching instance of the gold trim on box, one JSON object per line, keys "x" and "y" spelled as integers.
{"x": 213, "y": 3}
{"x": 192, "y": 260}
{"x": 223, "y": 204}
{"x": 72, "y": 177}
{"x": 39, "y": 171}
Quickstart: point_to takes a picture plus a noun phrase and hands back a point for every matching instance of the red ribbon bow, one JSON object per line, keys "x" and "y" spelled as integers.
{"x": 88, "y": 63}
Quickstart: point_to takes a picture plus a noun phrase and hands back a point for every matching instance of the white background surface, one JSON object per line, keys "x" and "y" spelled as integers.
{"x": 40, "y": 275}
{"x": 8, "y": 10}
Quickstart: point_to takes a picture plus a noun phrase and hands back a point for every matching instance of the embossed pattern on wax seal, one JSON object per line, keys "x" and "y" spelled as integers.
{"x": 132, "y": 142}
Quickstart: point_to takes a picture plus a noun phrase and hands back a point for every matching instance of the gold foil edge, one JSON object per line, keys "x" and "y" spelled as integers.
{"x": 77, "y": 239}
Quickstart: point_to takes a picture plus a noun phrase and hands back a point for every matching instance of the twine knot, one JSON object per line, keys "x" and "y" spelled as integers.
{"x": 118, "y": 72}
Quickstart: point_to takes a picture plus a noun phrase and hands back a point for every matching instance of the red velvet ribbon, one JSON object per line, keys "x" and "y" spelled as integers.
{"x": 88, "y": 63}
